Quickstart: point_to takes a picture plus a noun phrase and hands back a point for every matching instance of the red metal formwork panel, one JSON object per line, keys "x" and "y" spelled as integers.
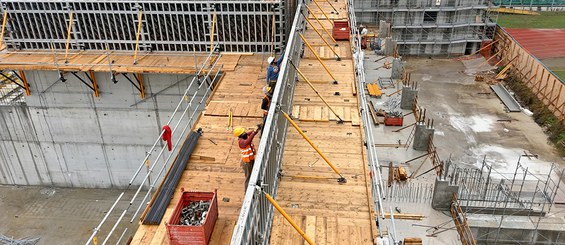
{"x": 193, "y": 235}
{"x": 341, "y": 30}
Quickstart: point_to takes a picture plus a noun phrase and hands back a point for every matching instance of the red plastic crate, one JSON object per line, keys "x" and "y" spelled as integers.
{"x": 341, "y": 30}
{"x": 193, "y": 235}
{"x": 394, "y": 121}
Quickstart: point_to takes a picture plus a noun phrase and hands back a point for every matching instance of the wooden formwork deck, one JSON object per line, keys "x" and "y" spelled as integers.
{"x": 329, "y": 212}
{"x": 214, "y": 166}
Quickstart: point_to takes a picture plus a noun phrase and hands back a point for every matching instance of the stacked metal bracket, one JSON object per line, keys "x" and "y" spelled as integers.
{"x": 240, "y": 26}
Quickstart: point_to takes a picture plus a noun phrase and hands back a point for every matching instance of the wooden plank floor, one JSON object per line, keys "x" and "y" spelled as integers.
{"x": 328, "y": 212}
{"x": 217, "y": 166}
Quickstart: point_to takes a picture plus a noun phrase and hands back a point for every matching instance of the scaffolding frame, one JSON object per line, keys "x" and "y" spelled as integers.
{"x": 434, "y": 27}
{"x": 488, "y": 191}
{"x": 242, "y": 26}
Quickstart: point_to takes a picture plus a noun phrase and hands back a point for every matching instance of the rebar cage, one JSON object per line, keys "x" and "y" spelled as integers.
{"x": 178, "y": 25}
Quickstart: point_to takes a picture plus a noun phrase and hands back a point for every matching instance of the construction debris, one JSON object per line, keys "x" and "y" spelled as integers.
{"x": 194, "y": 214}
{"x": 24, "y": 241}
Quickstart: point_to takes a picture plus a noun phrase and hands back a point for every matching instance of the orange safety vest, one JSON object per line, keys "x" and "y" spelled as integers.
{"x": 265, "y": 112}
{"x": 248, "y": 154}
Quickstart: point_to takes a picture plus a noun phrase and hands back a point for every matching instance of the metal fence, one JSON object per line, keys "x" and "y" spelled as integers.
{"x": 256, "y": 216}
{"x": 240, "y": 26}
{"x": 377, "y": 190}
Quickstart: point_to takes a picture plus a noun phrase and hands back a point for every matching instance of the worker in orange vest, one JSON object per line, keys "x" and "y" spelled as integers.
{"x": 245, "y": 142}
{"x": 266, "y": 102}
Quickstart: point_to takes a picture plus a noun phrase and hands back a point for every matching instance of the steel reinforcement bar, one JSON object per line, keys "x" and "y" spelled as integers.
{"x": 175, "y": 25}
{"x": 256, "y": 215}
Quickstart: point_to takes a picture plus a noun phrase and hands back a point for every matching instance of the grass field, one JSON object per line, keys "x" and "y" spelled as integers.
{"x": 545, "y": 20}
{"x": 560, "y": 74}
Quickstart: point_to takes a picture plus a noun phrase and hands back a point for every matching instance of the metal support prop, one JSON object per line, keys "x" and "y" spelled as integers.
{"x": 212, "y": 34}
{"x": 137, "y": 35}
{"x": 94, "y": 83}
{"x": 317, "y": 93}
{"x": 320, "y": 23}
{"x": 318, "y": 57}
{"x": 69, "y": 31}
{"x": 273, "y": 36}
{"x": 4, "y": 18}
{"x": 22, "y": 77}
{"x": 83, "y": 81}
{"x": 322, "y": 37}
{"x": 341, "y": 179}
{"x": 285, "y": 215}
{"x": 139, "y": 78}
{"x": 323, "y": 12}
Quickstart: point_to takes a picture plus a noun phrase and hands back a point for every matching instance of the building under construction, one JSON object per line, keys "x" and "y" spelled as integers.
{"x": 422, "y": 27}
{"x": 144, "y": 96}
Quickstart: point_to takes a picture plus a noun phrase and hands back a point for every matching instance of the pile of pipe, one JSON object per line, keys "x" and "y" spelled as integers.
{"x": 12, "y": 241}
{"x": 394, "y": 114}
{"x": 194, "y": 214}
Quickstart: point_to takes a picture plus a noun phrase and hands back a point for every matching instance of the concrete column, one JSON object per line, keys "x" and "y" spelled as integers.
{"x": 389, "y": 45}
{"x": 422, "y": 136}
{"x": 408, "y": 96}
{"x": 441, "y": 199}
{"x": 383, "y": 29}
{"x": 397, "y": 68}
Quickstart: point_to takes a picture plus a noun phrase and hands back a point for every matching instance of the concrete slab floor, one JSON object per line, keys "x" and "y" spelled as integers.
{"x": 58, "y": 215}
{"x": 469, "y": 124}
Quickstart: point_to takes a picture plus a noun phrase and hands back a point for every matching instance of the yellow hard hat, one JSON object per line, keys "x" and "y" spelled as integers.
{"x": 238, "y": 131}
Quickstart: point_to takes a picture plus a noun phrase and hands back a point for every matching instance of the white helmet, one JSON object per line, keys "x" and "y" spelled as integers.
{"x": 270, "y": 59}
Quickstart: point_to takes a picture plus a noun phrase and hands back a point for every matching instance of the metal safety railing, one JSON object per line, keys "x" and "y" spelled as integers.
{"x": 189, "y": 110}
{"x": 358, "y": 56}
{"x": 256, "y": 216}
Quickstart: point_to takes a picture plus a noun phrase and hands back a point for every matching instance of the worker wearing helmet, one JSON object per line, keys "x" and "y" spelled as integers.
{"x": 266, "y": 102}
{"x": 273, "y": 69}
{"x": 245, "y": 143}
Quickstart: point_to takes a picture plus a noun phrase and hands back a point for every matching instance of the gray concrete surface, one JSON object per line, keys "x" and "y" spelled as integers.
{"x": 467, "y": 128}
{"x": 64, "y": 136}
{"x": 57, "y": 215}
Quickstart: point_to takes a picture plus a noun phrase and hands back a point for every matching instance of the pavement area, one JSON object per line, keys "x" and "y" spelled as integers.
{"x": 56, "y": 215}
{"x": 470, "y": 123}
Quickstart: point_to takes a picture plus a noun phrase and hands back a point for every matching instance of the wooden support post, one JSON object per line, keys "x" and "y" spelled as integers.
{"x": 285, "y": 215}
{"x": 323, "y": 12}
{"x": 24, "y": 81}
{"x": 141, "y": 87}
{"x": 341, "y": 179}
{"x": 318, "y": 57}
{"x": 321, "y": 37}
{"x": 69, "y": 31}
{"x": 137, "y": 35}
{"x": 94, "y": 83}
{"x": 316, "y": 91}
{"x": 320, "y": 23}
{"x": 4, "y": 18}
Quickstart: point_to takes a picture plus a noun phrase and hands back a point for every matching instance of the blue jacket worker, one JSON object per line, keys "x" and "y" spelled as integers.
{"x": 273, "y": 69}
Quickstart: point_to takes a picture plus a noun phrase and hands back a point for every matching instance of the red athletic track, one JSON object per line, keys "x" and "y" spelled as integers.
{"x": 542, "y": 43}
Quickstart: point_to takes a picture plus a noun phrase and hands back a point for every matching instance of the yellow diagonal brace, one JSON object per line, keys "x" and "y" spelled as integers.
{"x": 69, "y": 31}
{"x": 285, "y": 215}
{"x": 4, "y": 18}
{"x": 342, "y": 179}
{"x": 320, "y": 23}
{"x": 316, "y": 91}
{"x": 322, "y": 37}
{"x": 213, "y": 31}
{"x": 138, "y": 34}
{"x": 318, "y": 57}
{"x": 323, "y": 12}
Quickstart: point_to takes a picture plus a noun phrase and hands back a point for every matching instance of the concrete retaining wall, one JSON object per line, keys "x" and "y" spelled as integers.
{"x": 64, "y": 136}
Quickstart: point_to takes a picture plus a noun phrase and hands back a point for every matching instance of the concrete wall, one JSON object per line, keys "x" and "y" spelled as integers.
{"x": 64, "y": 136}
